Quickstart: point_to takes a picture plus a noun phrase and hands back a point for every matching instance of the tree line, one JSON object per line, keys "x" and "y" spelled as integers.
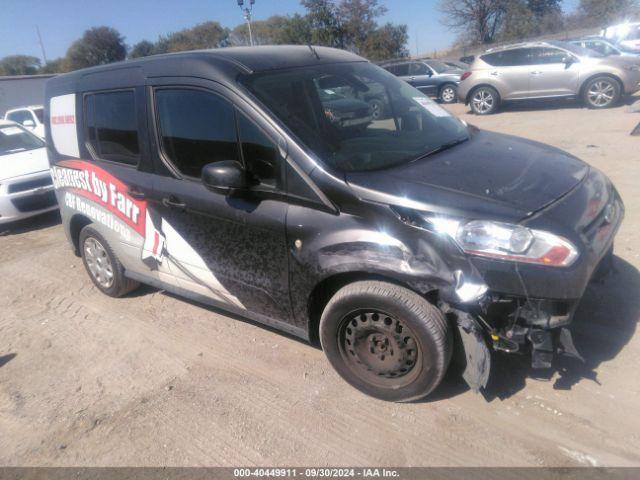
{"x": 346, "y": 24}
{"x": 488, "y": 21}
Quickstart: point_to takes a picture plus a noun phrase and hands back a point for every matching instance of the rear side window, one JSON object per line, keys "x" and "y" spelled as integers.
{"x": 196, "y": 128}
{"x": 400, "y": 70}
{"x": 507, "y": 58}
{"x": 544, "y": 56}
{"x": 112, "y": 127}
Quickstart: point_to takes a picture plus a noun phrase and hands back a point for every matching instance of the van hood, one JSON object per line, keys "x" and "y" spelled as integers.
{"x": 489, "y": 174}
{"x": 23, "y": 163}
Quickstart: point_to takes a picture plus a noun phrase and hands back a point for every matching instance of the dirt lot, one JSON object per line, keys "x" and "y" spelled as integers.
{"x": 155, "y": 380}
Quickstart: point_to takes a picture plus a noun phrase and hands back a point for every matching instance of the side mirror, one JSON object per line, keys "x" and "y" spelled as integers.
{"x": 29, "y": 124}
{"x": 224, "y": 177}
{"x": 568, "y": 61}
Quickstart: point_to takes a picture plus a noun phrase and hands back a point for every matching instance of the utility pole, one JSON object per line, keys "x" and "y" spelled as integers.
{"x": 44, "y": 55}
{"x": 246, "y": 11}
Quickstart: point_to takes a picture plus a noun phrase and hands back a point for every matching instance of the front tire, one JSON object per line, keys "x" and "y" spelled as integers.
{"x": 448, "y": 93}
{"x": 386, "y": 340}
{"x": 484, "y": 100}
{"x": 104, "y": 268}
{"x": 601, "y": 92}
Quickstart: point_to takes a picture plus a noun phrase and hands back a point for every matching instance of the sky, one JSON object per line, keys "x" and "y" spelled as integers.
{"x": 63, "y": 21}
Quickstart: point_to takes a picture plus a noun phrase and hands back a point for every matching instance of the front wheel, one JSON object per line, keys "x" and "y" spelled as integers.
{"x": 484, "y": 100}
{"x": 601, "y": 92}
{"x": 386, "y": 340}
{"x": 448, "y": 94}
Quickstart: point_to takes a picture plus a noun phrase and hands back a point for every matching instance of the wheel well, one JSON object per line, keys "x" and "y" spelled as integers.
{"x": 323, "y": 291}
{"x": 466, "y": 100}
{"x": 77, "y": 223}
{"x": 610, "y": 75}
{"x": 446, "y": 85}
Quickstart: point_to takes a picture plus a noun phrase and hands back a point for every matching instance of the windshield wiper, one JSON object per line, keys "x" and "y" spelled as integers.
{"x": 441, "y": 148}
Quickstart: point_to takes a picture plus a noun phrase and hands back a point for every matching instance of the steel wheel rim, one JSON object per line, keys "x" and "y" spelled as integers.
{"x": 448, "y": 94}
{"x": 98, "y": 262}
{"x": 380, "y": 348}
{"x": 483, "y": 101}
{"x": 601, "y": 93}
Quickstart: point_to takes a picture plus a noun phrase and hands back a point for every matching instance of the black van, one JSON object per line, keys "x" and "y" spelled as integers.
{"x": 260, "y": 181}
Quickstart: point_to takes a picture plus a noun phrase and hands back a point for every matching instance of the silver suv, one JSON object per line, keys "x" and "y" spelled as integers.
{"x": 547, "y": 70}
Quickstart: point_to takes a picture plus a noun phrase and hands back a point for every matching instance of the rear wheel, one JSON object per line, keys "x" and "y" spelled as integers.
{"x": 484, "y": 100}
{"x": 448, "y": 93}
{"x": 601, "y": 92}
{"x": 104, "y": 268}
{"x": 386, "y": 340}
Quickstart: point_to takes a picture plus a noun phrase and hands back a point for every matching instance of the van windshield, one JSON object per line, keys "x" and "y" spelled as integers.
{"x": 356, "y": 116}
{"x": 14, "y": 139}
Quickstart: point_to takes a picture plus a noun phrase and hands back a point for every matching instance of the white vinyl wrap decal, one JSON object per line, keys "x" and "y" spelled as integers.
{"x": 95, "y": 193}
{"x": 62, "y": 114}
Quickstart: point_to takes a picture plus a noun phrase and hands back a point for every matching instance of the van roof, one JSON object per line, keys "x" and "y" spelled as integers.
{"x": 248, "y": 59}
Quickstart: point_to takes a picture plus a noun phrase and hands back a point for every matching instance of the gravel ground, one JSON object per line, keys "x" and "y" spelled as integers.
{"x": 153, "y": 380}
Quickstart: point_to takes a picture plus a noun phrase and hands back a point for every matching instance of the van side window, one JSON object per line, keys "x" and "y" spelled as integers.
{"x": 260, "y": 154}
{"x": 196, "y": 128}
{"x": 112, "y": 126}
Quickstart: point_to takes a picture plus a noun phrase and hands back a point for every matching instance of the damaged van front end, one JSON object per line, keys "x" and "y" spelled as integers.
{"x": 513, "y": 284}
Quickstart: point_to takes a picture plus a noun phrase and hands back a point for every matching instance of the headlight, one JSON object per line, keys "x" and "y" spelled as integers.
{"x": 505, "y": 241}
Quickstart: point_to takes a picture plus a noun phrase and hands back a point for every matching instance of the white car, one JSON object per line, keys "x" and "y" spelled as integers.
{"x": 26, "y": 188}
{"x": 31, "y": 118}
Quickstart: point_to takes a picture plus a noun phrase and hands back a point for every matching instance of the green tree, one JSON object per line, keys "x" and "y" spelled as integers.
{"x": 358, "y": 20}
{"x": 97, "y": 46}
{"x": 59, "y": 65}
{"x": 385, "y": 42}
{"x": 604, "y": 12}
{"x": 519, "y": 21}
{"x": 324, "y": 20}
{"x": 265, "y": 32}
{"x": 143, "y": 48}
{"x": 202, "y": 36}
{"x": 19, "y": 65}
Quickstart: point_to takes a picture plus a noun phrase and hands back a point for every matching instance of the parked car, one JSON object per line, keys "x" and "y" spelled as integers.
{"x": 625, "y": 35}
{"x": 547, "y": 70}
{"x": 25, "y": 183}
{"x": 368, "y": 101}
{"x": 433, "y": 77}
{"x": 218, "y": 176}
{"x": 30, "y": 118}
{"x": 602, "y": 46}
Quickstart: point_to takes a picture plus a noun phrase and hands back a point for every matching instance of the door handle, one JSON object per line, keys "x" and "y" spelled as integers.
{"x": 495, "y": 74}
{"x": 135, "y": 192}
{"x": 173, "y": 202}
{"x": 536, "y": 72}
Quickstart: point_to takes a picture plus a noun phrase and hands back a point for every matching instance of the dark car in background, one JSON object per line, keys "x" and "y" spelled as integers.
{"x": 432, "y": 77}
